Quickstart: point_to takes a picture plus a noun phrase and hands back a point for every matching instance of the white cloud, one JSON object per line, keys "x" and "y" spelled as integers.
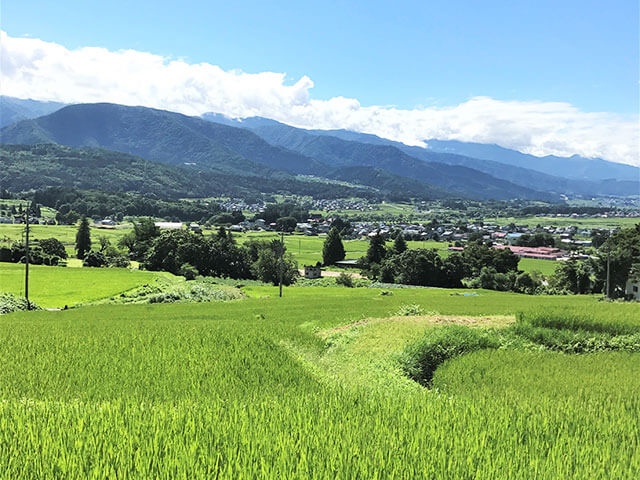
{"x": 33, "y": 68}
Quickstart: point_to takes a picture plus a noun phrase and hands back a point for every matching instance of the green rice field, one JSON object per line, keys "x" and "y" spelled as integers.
{"x": 55, "y": 287}
{"x": 309, "y": 386}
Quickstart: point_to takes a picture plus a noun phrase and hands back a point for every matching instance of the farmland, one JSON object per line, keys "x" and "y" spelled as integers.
{"x": 307, "y": 250}
{"x": 55, "y": 287}
{"x": 308, "y": 386}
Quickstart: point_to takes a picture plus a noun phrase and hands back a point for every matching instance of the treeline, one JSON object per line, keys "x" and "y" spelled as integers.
{"x": 479, "y": 265}
{"x": 71, "y": 204}
{"x": 186, "y": 253}
{"x": 619, "y": 254}
{"x": 563, "y": 210}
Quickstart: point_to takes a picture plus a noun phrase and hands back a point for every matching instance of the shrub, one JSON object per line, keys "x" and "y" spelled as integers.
{"x": 188, "y": 271}
{"x": 12, "y": 303}
{"x": 420, "y": 359}
{"x": 345, "y": 279}
{"x": 409, "y": 311}
{"x": 95, "y": 259}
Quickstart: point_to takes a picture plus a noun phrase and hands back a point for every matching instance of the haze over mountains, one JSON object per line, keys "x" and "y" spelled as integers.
{"x": 258, "y": 152}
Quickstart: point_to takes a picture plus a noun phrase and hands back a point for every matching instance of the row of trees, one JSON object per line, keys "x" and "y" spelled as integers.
{"x": 183, "y": 252}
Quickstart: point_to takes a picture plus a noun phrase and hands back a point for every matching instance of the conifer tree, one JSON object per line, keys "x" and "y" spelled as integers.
{"x": 333, "y": 250}
{"x": 399, "y": 244}
{"x": 83, "y": 238}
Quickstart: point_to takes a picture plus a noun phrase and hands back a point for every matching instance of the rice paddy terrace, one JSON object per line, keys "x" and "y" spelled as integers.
{"x": 324, "y": 383}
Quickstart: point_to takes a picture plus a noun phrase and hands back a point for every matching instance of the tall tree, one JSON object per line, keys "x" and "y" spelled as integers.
{"x": 333, "y": 249}
{"x": 83, "y": 238}
{"x": 377, "y": 250}
{"x": 399, "y": 244}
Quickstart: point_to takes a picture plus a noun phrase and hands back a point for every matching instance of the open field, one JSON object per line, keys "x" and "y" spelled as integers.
{"x": 55, "y": 287}
{"x": 65, "y": 233}
{"x": 308, "y": 387}
{"x": 603, "y": 223}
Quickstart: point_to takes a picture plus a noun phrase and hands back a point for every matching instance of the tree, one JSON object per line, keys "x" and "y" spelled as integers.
{"x": 343, "y": 226}
{"x": 399, "y": 244}
{"x": 525, "y": 283}
{"x": 572, "y": 276}
{"x": 619, "y": 253}
{"x": 268, "y": 267}
{"x": 139, "y": 241}
{"x": 333, "y": 249}
{"x": 104, "y": 242}
{"x": 377, "y": 250}
{"x": 419, "y": 267}
{"x": 95, "y": 259}
{"x": 115, "y": 258}
{"x": 53, "y": 246}
{"x": 83, "y": 238}
{"x": 286, "y": 224}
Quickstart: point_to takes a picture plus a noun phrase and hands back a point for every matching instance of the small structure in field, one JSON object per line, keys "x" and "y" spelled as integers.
{"x": 312, "y": 271}
{"x": 632, "y": 288}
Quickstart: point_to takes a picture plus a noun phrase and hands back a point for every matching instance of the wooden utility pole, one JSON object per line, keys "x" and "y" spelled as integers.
{"x": 281, "y": 260}
{"x": 608, "y": 293}
{"x": 26, "y": 261}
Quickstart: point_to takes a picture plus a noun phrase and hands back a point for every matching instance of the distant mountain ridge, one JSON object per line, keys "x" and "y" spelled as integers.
{"x": 274, "y": 131}
{"x": 337, "y": 152}
{"x": 177, "y": 139}
{"x": 13, "y": 110}
{"x": 574, "y": 167}
{"x": 520, "y": 175}
{"x": 262, "y": 148}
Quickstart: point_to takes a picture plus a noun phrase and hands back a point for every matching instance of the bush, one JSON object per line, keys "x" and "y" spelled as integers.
{"x": 345, "y": 279}
{"x": 188, "y": 271}
{"x": 420, "y": 359}
{"x": 12, "y": 303}
{"x": 54, "y": 247}
{"x": 409, "y": 311}
{"x": 95, "y": 259}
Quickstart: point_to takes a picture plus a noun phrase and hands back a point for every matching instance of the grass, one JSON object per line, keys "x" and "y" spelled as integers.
{"x": 65, "y": 233}
{"x": 278, "y": 388}
{"x": 55, "y": 287}
{"x": 270, "y": 388}
{"x": 604, "y": 223}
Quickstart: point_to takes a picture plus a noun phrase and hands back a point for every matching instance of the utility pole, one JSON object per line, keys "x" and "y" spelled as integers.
{"x": 281, "y": 259}
{"x": 608, "y": 294}
{"x": 26, "y": 262}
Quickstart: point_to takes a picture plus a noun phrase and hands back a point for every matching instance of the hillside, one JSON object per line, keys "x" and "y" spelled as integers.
{"x": 337, "y": 152}
{"x": 160, "y": 136}
{"x": 35, "y": 167}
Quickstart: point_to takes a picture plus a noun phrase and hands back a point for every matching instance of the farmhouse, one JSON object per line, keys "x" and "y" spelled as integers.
{"x": 541, "y": 253}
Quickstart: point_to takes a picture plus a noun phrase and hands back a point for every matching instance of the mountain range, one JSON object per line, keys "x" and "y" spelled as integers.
{"x": 258, "y": 154}
{"x": 601, "y": 178}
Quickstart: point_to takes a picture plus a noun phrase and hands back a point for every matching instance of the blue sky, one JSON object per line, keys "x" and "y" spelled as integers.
{"x": 540, "y": 77}
{"x": 406, "y": 54}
